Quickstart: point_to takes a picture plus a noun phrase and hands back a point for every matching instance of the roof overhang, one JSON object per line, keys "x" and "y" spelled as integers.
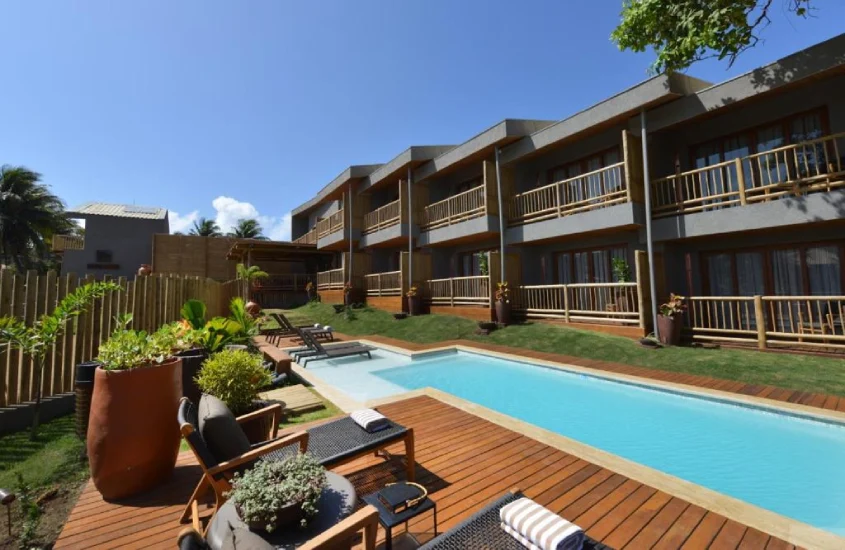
{"x": 480, "y": 146}
{"x": 397, "y": 167}
{"x": 334, "y": 189}
{"x": 820, "y": 61}
{"x": 618, "y": 108}
{"x": 272, "y": 250}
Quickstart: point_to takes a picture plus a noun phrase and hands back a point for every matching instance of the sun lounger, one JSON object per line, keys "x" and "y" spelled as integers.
{"x": 331, "y": 353}
{"x": 308, "y": 351}
{"x": 286, "y": 328}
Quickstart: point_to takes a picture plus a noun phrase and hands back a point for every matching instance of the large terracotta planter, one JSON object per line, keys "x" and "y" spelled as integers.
{"x": 503, "y": 313}
{"x": 133, "y": 434}
{"x": 414, "y": 305}
{"x": 669, "y": 329}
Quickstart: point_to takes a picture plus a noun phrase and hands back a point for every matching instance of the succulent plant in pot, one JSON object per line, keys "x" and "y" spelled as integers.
{"x": 278, "y": 493}
{"x": 235, "y": 377}
{"x": 132, "y": 438}
{"x": 670, "y": 318}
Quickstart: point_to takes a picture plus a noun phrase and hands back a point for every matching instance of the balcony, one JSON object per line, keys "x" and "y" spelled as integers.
{"x": 333, "y": 223}
{"x": 455, "y": 209}
{"x": 382, "y": 217}
{"x": 809, "y": 167}
{"x": 611, "y": 303}
{"x": 334, "y": 279}
{"x": 459, "y": 291}
{"x": 68, "y": 242}
{"x": 597, "y": 189}
{"x": 383, "y": 284}
{"x": 308, "y": 238}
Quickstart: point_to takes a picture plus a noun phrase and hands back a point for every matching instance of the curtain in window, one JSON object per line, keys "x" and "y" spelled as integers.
{"x": 750, "y": 282}
{"x": 719, "y": 275}
{"x": 786, "y": 272}
{"x": 601, "y": 266}
{"x": 824, "y": 271}
{"x": 564, "y": 269}
{"x": 574, "y": 190}
{"x": 771, "y": 168}
{"x": 710, "y": 181}
{"x": 811, "y": 159}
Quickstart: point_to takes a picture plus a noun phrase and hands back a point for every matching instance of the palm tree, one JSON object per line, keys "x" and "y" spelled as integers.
{"x": 248, "y": 228}
{"x": 250, "y": 274}
{"x": 29, "y": 216}
{"x": 204, "y": 227}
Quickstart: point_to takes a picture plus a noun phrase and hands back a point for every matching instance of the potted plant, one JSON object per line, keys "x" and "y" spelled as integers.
{"x": 503, "y": 303}
{"x": 145, "y": 270}
{"x": 37, "y": 341}
{"x": 413, "y": 300}
{"x": 347, "y": 293}
{"x": 278, "y": 493}
{"x": 670, "y": 319}
{"x": 133, "y": 438}
{"x": 235, "y": 377}
{"x": 311, "y": 290}
{"x": 621, "y": 274}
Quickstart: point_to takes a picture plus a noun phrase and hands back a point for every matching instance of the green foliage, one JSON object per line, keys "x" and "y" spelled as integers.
{"x": 30, "y": 512}
{"x": 271, "y": 484}
{"x": 235, "y": 377}
{"x": 621, "y": 270}
{"x": 220, "y": 332}
{"x": 484, "y": 263}
{"x": 248, "y": 323}
{"x": 685, "y": 31}
{"x": 249, "y": 274}
{"x": 248, "y": 228}
{"x": 194, "y": 311}
{"x": 204, "y": 227}
{"x": 130, "y": 349}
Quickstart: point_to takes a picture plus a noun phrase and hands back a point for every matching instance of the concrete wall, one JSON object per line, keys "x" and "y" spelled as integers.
{"x": 617, "y": 216}
{"x": 665, "y": 144}
{"x": 447, "y": 233}
{"x": 323, "y": 210}
{"x": 130, "y": 241}
{"x": 385, "y": 194}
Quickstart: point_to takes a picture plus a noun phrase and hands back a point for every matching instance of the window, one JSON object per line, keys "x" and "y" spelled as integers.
{"x": 469, "y": 184}
{"x": 103, "y": 256}
{"x": 588, "y": 266}
{"x": 796, "y": 270}
{"x": 591, "y": 186}
{"x": 470, "y": 264}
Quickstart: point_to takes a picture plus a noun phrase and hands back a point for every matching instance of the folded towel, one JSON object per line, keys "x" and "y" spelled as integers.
{"x": 370, "y": 420}
{"x": 538, "y": 527}
{"x": 327, "y": 328}
{"x": 316, "y": 325}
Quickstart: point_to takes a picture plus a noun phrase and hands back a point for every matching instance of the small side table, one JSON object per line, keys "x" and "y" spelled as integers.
{"x": 389, "y": 520}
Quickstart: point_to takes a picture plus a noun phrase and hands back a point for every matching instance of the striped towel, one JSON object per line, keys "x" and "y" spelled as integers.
{"x": 538, "y": 528}
{"x": 370, "y": 420}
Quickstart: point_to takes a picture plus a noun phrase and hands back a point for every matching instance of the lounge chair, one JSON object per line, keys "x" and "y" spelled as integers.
{"x": 482, "y": 531}
{"x": 289, "y": 329}
{"x": 333, "y": 443}
{"x": 364, "y": 520}
{"x": 331, "y": 353}
{"x": 306, "y": 351}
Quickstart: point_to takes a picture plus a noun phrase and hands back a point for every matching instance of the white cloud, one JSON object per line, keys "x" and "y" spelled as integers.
{"x": 230, "y": 210}
{"x": 182, "y": 224}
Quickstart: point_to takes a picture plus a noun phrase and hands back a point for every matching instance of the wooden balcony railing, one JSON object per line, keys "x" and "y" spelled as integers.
{"x": 457, "y": 208}
{"x": 382, "y": 217}
{"x": 808, "y": 167}
{"x": 590, "y": 302}
{"x": 383, "y": 284}
{"x": 596, "y": 189}
{"x": 68, "y": 242}
{"x": 806, "y": 321}
{"x": 459, "y": 291}
{"x": 308, "y": 238}
{"x": 327, "y": 226}
{"x": 293, "y": 281}
{"x": 333, "y": 279}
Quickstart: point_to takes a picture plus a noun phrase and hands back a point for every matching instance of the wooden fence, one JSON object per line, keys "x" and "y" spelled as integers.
{"x": 457, "y": 208}
{"x": 388, "y": 283}
{"x": 152, "y": 301}
{"x": 334, "y": 279}
{"x": 459, "y": 291}
{"x": 382, "y": 217}
{"x": 616, "y": 303}
{"x": 791, "y": 321}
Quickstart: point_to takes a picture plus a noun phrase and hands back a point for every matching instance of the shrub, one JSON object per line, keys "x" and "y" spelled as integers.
{"x": 272, "y": 484}
{"x": 129, "y": 349}
{"x": 234, "y": 377}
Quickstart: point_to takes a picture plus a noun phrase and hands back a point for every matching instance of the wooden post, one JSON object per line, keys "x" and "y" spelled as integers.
{"x": 566, "y": 302}
{"x": 740, "y": 182}
{"x": 760, "y": 319}
{"x": 452, "y": 292}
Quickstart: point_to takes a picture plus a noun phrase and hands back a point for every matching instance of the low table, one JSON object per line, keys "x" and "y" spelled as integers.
{"x": 389, "y": 520}
{"x": 336, "y": 503}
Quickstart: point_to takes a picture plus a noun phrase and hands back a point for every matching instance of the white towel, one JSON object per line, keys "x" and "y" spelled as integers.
{"x": 327, "y": 328}
{"x": 370, "y": 420}
{"x": 316, "y": 325}
{"x": 539, "y": 528}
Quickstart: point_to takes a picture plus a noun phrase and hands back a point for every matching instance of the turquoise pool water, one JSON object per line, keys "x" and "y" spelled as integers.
{"x": 790, "y": 465}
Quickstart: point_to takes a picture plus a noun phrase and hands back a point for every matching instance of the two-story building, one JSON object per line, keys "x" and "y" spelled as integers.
{"x": 743, "y": 180}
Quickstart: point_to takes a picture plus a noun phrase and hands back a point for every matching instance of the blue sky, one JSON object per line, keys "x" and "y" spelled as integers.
{"x": 230, "y": 109}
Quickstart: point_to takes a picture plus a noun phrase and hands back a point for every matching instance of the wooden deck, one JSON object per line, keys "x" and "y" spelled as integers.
{"x": 465, "y": 461}
{"x": 296, "y": 399}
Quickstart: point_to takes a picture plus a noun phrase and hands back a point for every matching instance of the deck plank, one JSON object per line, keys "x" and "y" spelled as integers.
{"x": 466, "y": 462}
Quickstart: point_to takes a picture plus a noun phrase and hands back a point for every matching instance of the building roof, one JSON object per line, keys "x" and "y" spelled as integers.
{"x": 504, "y": 132}
{"x": 354, "y": 172}
{"x": 118, "y": 211}
{"x": 414, "y": 155}
{"x": 621, "y": 106}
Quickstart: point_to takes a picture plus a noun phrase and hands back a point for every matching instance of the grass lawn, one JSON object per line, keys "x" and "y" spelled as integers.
{"x": 54, "y": 469}
{"x": 799, "y": 372}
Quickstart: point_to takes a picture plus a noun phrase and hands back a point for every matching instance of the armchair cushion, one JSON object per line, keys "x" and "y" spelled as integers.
{"x": 220, "y": 429}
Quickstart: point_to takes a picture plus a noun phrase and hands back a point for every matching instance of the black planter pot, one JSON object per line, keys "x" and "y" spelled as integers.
{"x": 192, "y": 360}
{"x": 84, "y": 389}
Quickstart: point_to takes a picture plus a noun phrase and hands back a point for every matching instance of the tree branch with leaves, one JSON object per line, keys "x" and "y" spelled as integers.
{"x": 685, "y": 31}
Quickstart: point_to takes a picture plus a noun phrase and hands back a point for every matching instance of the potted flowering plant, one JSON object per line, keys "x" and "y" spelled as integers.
{"x": 413, "y": 300}
{"x": 503, "y": 303}
{"x": 311, "y": 291}
{"x": 670, "y": 319}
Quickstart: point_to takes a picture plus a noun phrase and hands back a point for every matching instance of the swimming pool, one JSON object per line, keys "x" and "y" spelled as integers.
{"x": 788, "y": 464}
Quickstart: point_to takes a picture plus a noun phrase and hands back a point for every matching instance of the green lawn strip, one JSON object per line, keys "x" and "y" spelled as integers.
{"x": 794, "y": 371}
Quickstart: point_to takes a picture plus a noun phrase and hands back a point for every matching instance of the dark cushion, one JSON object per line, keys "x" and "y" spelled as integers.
{"x": 220, "y": 429}
{"x": 242, "y": 539}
